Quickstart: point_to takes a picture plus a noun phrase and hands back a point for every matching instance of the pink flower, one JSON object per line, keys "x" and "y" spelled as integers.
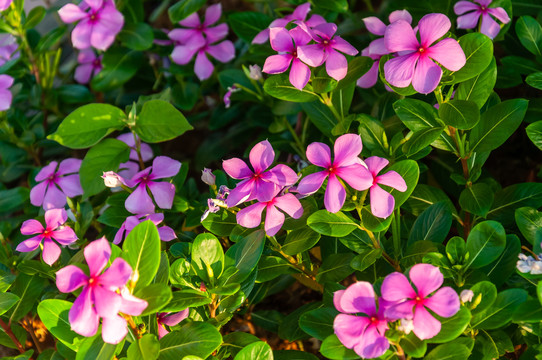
{"x": 97, "y": 27}
{"x": 8, "y": 48}
{"x": 326, "y": 50}
{"x": 130, "y": 140}
{"x": 54, "y": 230}
{"x": 139, "y": 201}
{"x": 5, "y": 95}
{"x": 470, "y": 15}
{"x": 415, "y": 63}
{"x": 169, "y": 319}
{"x": 258, "y": 184}
{"x": 166, "y": 233}
{"x": 346, "y": 165}
{"x": 365, "y": 334}
{"x": 202, "y": 31}
{"x": 89, "y": 66}
{"x": 55, "y": 185}
{"x": 251, "y": 216}
{"x": 286, "y": 43}
{"x": 411, "y": 304}
{"x": 382, "y": 203}
{"x": 4, "y": 4}
{"x": 104, "y": 294}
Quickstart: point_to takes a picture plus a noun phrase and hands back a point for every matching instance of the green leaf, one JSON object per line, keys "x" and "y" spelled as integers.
{"x": 497, "y": 124}
{"x": 529, "y": 222}
{"x": 7, "y": 300}
{"x": 416, "y": 114}
{"x": 221, "y": 223}
{"x": 335, "y": 268}
{"x": 183, "y": 8}
{"x": 247, "y": 24}
{"x": 105, "y": 156}
{"x": 245, "y": 254}
{"x": 271, "y": 267}
{"x": 300, "y": 240}
{"x": 477, "y": 199}
{"x": 365, "y": 259}
{"x": 500, "y": 270}
{"x": 424, "y": 196}
{"x": 331, "y": 224}
{"x": 535, "y": 80}
{"x": 207, "y": 257}
{"x": 413, "y": 346}
{"x": 529, "y": 312}
{"x": 141, "y": 249}
{"x": 119, "y": 66}
{"x": 512, "y": 197}
{"x": 485, "y": 243}
{"x": 258, "y": 350}
{"x": 421, "y": 139}
{"x": 196, "y": 338}
{"x": 410, "y": 172}
{"x": 529, "y": 33}
{"x": 500, "y": 312}
{"x": 186, "y": 298}
{"x": 433, "y": 224}
{"x": 484, "y": 295}
{"x": 27, "y": 288}
{"x": 289, "y": 327}
{"x": 318, "y": 323}
{"x": 456, "y": 250}
{"x": 146, "y": 348}
{"x": 357, "y": 67}
{"x": 137, "y": 36}
{"x": 87, "y": 125}
{"x": 333, "y": 349}
{"x": 51, "y": 39}
{"x": 94, "y": 348}
{"x": 339, "y": 6}
{"x": 321, "y": 117}
{"x": 461, "y": 114}
{"x": 449, "y": 352}
{"x": 534, "y": 132}
{"x": 13, "y": 199}
{"x": 479, "y": 87}
{"x": 293, "y": 355}
{"x": 279, "y": 86}
{"x": 452, "y": 327}
{"x": 156, "y": 295}
{"x": 478, "y": 50}
{"x": 160, "y": 121}
{"x": 373, "y": 134}
{"x": 54, "y": 315}
{"x": 34, "y": 17}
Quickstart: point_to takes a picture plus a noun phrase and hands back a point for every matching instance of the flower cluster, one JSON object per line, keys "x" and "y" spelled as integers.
{"x": 366, "y": 334}
{"x": 202, "y": 39}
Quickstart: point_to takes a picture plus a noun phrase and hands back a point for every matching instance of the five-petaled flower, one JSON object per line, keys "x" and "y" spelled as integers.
{"x": 471, "y": 13}
{"x": 55, "y": 185}
{"x": 382, "y": 203}
{"x": 89, "y": 65}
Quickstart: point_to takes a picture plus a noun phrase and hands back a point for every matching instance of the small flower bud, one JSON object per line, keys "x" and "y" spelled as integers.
{"x": 466, "y": 296}
{"x": 208, "y": 177}
{"x": 112, "y": 179}
{"x": 406, "y": 326}
{"x": 255, "y": 72}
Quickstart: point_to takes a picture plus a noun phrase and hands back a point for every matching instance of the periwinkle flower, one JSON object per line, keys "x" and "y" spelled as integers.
{"x": 346, "y": 165}
{"x": 382, "y": 203}
{"x": 5, "y": 95}
{"x": 54, "y": 230}
{"x": 99, "y": 23}
{"x": 4, "y": 4}
{"x": 54, "y": 185}
{"x": 103, "y": 296}
{"x": 89, "y": 66}
{"x": 8, "y": 48}
{"x": 199, "y": 30}
{"x": 466, "y": 296}
{"x": 364, "y": 334}
{"x": 144, "y": 148}
{"x": 255, "y": 72}
{"x": 415, "y": 61}
{"x": 471, "y": 13}
{"x": 165, "y": 232}
{"x": 169, "y": 319}
{"x": 414, "y": 304}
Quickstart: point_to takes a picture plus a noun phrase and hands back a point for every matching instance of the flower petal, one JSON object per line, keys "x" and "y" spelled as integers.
{"x": 311, "y": 183}
{"x": 236, "y": 168}
{"x": 356, "y": 175}
{"x": 203, "y": 66}
{"x": 400, "y": 15}
{"x": 183, "y": 54}
{"x": 448, "y": 53}
{"x": 251, "y": 216}
{"x": 299, "y": 74}
{"x": 281, "y": 175}
{"x": 392, "y": 179}
{"x": 346, "y": 150}
{"x": 51, "y": 251}
{"x": 54, "y": 198}
{"x": 500, "y": 14}
{"x": 223, "y": 52}
{"x": 164, "y": 167}
{"x": 335, "y": 195}
{"x": 425, "y": 325}
{"x": 70, "y": 278}
{"x": 5, "y": 99}
{"x": 191, "y": 20}
{"x": 489, "y": 26}
{"x": 369, "y": 78}
{"x": 70, "y": 13}
{"x": 319, "y": 154}
{"x": 445, "y": 302}
{"x": 83, "y": 73}
{"x": 30, "y": 244}
{"x": 273, "y": 220}
{"x": 432, "y": 27}
{"x": 376, "y": 164}
{"x": 130, "y": 304}
{"x": 372, "y": 345}
{"x": 426, "y": 277}
{"x": 212, "y": 14}
{"x": 396, "y": 287}
{"x": 281, "y": 40}
{"x": 426, "y": 75}
{"x": 276, "y": 64}
{"x": 261, "y": 156}
{"x": 336, "y": 65}
{"x": 374, "y": 25}
{"x": 114, "y": 329}
{"x": 70, "y": 185}
{"x": 339, "y": 44}
{"x": 241, "y": 193}
{"x": 97, "y": 254}
{"x": 174, "y": 319}
{"x": 290, "y": 205}
{"x": 117, "y": 275}
{"x": 468, "y": 21}
{"x": 65, "y": 235}
{"x": 82, "y": 316}
{"x": 81, "y": 35}
{"x": 359, "y": 298}
{"x": 106, "y": 302}
{"x": 216, "y": 33}
{"x": 399, "y": 36}
{"x": 300, "y": 36}
{"x": 163, "y": 193}
{"x": 382, "y": 203}
{"x": 312, "y": 55}
{"x": 264, "y": 191}
{"x": 166, "y": 233}
{"x": 31, "y": 227}
{"x": 46, "y": 171}
{"x": 400, "y": 70}
{"x": 349, "y": 328}
{"x": 139, "y": 201}
{"x": 378, "y": 47}
{"x": 462, "y": 7}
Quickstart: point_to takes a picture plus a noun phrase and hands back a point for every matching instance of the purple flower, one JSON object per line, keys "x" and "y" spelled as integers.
{"x": 326, "y": 50}
{"x": 166, "y": 233}
{"x": 382, "y": 203}
{"x": 346, "y": 165}
{"x": 104, "y": 294}
{"x": 203, "y": 67}
{"x": 97, "y": 27}
{"x": 201, "y": 31}
{"x": 130, "y": 140}
{"x": 411, "y": 304}
{"x": 139, "y": 202}
{"x": 89, "y": 66}
{"x": 227, "y": 96}
{"x": 54, "y": 230}
{"x": 365, "y": 334}
{"x": 55, "y": 185}
{"x": 208, "y": 177}
{"x": 258, "y": 184}
{"x": 286, "y": 43}
{"x": 251, "y": 216}
{"x": 470, "y": 15}
{"x": 5, "y": 95}
{"x": 415, "y": 63}
{"x": 4, "y": 4}
{"x": 8, "y": 48}
{"x": 169, "y": 319}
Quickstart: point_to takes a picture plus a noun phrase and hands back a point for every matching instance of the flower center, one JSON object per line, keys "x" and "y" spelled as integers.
{"x": 92, "y": 282}
{"x": 96, "y": 63}
{"x": 325, "y": 42}
{"x": 373, "y": 320}
{"x": 93, "y": 17}
{"x": 419, "y": 300}
{"x": 331, "y": 169}
{"x": 421, "y": 50}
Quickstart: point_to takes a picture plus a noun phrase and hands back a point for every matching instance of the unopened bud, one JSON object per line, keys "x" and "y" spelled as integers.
{"x": 255, "y": 72}
{"x": 406, "y": 326}
{"x": 466, "y": 296}
{"x": 208, "y": 177}
{"x": 112, "y": 179}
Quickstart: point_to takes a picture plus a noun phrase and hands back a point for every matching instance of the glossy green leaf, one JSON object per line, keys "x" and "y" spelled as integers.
{"x": 413, "y": 346}
{"x": 421, "y": 139}
{"x": 478, "y": 50}
{"x": 512, "y": 197}
{"x": 54, "y": 315}
{"x": 448, "y": 352}
{"x": 207, "y": 257}
{"x": 534, "y": 132}
{"x": 119, "y": 66}
{"x": 477, "y": 199}
{"x": 279, "y": 86}
{"x": 221, "y": 223}
{"x": 156, "y": 295}
{"x": 160, "y": 121}
{"x": 478, "y": 88}
{"x": 433, "y": 224}
{"x": 505, "y": 266}
{"x": 141, "y": 249}
{"x": 271, "y": 267}
{"x": 27, "y": 288}
{"x": 535, "y": 79}
{"x": 7, "y": 300}
{"x": 289, "y": 326}
{"x": 247, "y": 24}
{"x": 410, "y": 172}
{"x": 461, "y": 114}
{"x": 300, "y": 240}
{"x": 146, "y": 348}
{"x": 331, "y": 224}
{"x": 357, "y": 67}
{"x": 194, "y": 338}
{"x": 333, "y": 349}
{"x": 259, "y": 350}
{"x": 94, "y": 348}
{"x": 339, "y": 6}
{"x": 13, "y": 199}
{"x": 181, "y": 9}
{"x": 501, "y": 311}
{"x": 186, "y": 298}
{"x": 34, "y": 17}
{"x": 485, "y": 243}
{"x": 137, "y": 36}
{"x": 452, "y": 327}
{"x": 529, "y": 222}
{"x": 245, "y": 254}
{"x": 293, "y": 355}
{"x": 529, "y": 33}
{"x": 321, "y": 116}
{"x": 416, "y": 114}
{"x": 365, "y": 259}
{"x": 318, "y": 323}
{"x": 335, "y": 268}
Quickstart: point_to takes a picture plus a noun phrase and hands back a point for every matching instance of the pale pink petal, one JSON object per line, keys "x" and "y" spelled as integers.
{"x": 174, "y": 319}
{"x": 236, "y": 168}
{"x": 276, "y": 64}
{"x": 55, "y": 217}
{"x": 5, "y": 80}
{"x": 223, "y": 52}
{"x": 400, "y": 15}
{"x": 500, "y": 14}
{"x": 146, "y": 152}
{"x": 139, "y": 201}
{"x": 30, "y": 227}
{"x": 203, "y": 67}
{"x": 315, "y": 20}
{"x": 445, "y": 302}
{"x": 359, "y": 298}
{"x": 82, "y": 316}
{"x": 336, "y": 65}
{"x": 290, "y": 205}
{"x": 468, "y": 21}
{"x": 273, "y": 220}
{"x": 281, "y": 175}
{"x": 106, "y": 302}
{"x": 374, "y": 25}
{"x": 70, "y": 13}
{"x": 51, "y": 251}
{"x": 130, "y": 304}
{"x": 346, "y": 150}
{"x": 489, "y": 26}
{"x": 400, "y": 70}
{"x": 311, "y": 183}
{"x": 335, "y": 195}
{"x": 182, "y": 36}
{"x": 114, "y": 329}
{"x": 117, "y": 275}
{"x": 484, "y": 2}
{"x": 300, "y": 12}
{"x": 319, "y": 154}
{"x": 324, "y": 31}
{"x": 261, "y": 156}
{"x": 95, "y": 4}
{"x": 164, "y": 167}
{"x": 70, "y": 278}
{"x": 369, "y": 78}
{"x": 427, "y": 76}
{"x": 83, "y": 73}
{"x": 356, "y": 175}
{"x": 376, "y": 164}
{"x": 81, "y": 35}
{"x": 241, "y": 193}
{"x": 191, "y": 20}
{"x": 261, "y": 37}
{"x": 337, "y": 296}
{"x": 349, "y": 328}
{"x": 426, "y": 277}
{"x": 46, "y": 171}
{"x": 339, "y": 44}
{"x": 382, "y": 203}
{"x": 396, "y": 287}
{"x": 399, "y": 36}
{"x": 392, "y": 179}
{"x": 432, "y": 27}
{"x": 216, "y": 33}
{"x": 70, "y": 185}
{"x": 119, "y": 235}
{"x": 69, "y": 166}
{"x": 161, "y": 329}
{"x": 281, "y": 40}
{"x": 166, "y": 233}
{"x": 163, "y": 193}
{"x": 299, "y": 74}
{"x": 54, "y": 198}
{"x": 97, "y": 254}
{"x": 183, "y": 54}
{"x": 65, "y": 235}
{"x": 312, "y": 55}
{"x": 29, "y": 244}
{"x": 212, "y": 14}
{"x": 448, "y": 53}
{"x": 251, "y": 216}
{"x": 401, "y": 310}
{"x": 425, "y": 325}
{"x": 5, "y": 99}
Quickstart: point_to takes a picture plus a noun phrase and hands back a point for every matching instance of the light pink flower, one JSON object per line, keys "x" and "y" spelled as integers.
{"x": 130, "y": 140}
{"x": 411, "y": 304}
{"x": 201, "y": 31}
{"x": 55, "y": 185}
{"x": 415, "y": 61}
{"x": 54, "y": 230}
{"x": 4, "y": 4}
{"x": 5, "y": 95}
{"x": 382, "y": 203}
{"x": 89, "y": 66}
{"x": 346, "y": 165}
{"x": 470, "y": 15}
{"x": 169, "y": 319}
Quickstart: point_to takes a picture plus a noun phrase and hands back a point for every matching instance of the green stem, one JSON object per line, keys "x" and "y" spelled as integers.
{"x": 326, "y": 100}
{"x": 297, "y": 140}
{"x": 396, "y": 232}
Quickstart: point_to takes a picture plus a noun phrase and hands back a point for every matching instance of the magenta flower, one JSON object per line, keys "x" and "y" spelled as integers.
{"x": 89, "y": 66}
{"x": 346, "y": 165}
{"x": 54, "y": 230}
{"x": 382, "y": 203}
{"x": 104, "y": 294}
{"x": 169, "y": 319}
{"x": 366, "y": 333}
{"x": 97, "y": 27}
{"x": 326, "y": 50}
{"x": 251, "y": 216}
{"x": 144, "y": 148}
{"x": 411, "y": 304}
{"x": 415, "y": 63}
{"x": 55, "y": 185}
{"x": 201, "y": 31}
{"x": 258, "y": 184}
{"x": 166, "y": 233}
{"x": 4, "y": 4}
{"x": 139, "y": 201}
{"x": 5, "y": 95}
{"x": 370, "y": 77}
{"x": 8, "y": 48}
{"x": 203, "y": 67}
{"x": 286, "y": 43}
{"x": 470, "y": 15}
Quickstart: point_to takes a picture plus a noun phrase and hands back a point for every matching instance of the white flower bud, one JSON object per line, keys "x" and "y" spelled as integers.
{"x": 255, "y": 72}
{"x": 208, "y": 177}
{"x": 466, "y": 296}
{"x": 112, "y": 179}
